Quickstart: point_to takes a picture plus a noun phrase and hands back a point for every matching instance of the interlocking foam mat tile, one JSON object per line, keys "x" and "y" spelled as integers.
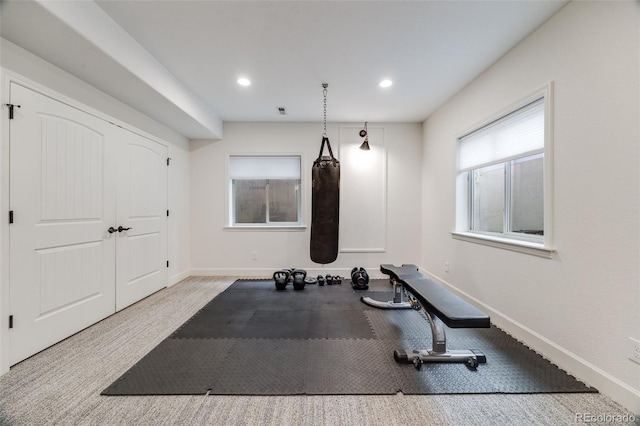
{"x": 254, "y": 340}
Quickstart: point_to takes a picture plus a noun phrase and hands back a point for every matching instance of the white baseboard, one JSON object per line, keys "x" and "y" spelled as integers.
{"x": 584, "y": 371}
{"x": 175, "y": 279}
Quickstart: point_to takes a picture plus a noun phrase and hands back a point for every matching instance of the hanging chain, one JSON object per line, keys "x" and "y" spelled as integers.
{"x": 324, "y": 93}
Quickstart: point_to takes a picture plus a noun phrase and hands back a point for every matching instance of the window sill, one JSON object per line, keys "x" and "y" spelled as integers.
{"x": 262, "y": 228}
{"x": 507, "y": 244}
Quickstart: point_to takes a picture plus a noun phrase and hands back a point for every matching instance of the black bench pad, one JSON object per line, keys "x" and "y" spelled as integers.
{"x": 454, "y": 311}
{"x": 401, "y": 273}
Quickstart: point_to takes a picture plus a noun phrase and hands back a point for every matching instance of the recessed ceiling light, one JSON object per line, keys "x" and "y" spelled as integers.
{"x": 386, "y": 83}
{"x": 244, "y": 81}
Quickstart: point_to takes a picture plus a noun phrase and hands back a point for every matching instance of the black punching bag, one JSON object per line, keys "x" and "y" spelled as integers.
{"x": 325, "y": 206}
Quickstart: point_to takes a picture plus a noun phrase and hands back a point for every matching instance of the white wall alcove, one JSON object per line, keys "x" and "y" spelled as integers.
{"x": 363, "y": 191}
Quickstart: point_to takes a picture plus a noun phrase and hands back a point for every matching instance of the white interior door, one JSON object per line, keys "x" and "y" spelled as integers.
{"x": 141, "y": 250}
{"x": 62, "y": 194}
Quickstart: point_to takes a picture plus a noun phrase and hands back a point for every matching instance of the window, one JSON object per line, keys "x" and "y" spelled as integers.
{"x": 503, "y": 176}
{"x": 264, "y": 190}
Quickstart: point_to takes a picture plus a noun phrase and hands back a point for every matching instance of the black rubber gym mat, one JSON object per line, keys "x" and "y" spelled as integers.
{"x": 254, "y": 340}
{"x": 274, "y": 324}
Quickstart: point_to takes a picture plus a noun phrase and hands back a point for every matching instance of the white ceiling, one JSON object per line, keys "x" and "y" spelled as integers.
{"x": 178, "y": 61}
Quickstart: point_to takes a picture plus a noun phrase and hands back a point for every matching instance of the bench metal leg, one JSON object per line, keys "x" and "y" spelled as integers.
{"x": 439, "y": 351}
{"x": 397, "y": 302}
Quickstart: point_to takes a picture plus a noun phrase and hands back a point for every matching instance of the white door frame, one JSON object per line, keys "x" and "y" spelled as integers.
{"x": 8, "y": 77}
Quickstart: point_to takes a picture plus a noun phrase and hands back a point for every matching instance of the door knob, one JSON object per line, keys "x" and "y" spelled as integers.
{"x": 111, "y": 230}
{"x": 120, "y": 229}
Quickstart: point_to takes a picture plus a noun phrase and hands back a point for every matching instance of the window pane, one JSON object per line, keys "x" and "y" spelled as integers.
{"x": 250, "y": 201}
{"x": 488, "y": 199}
{"x": 527, "y": 195}
{"x": 283, "y": 200}
{"x": 265, "y": 190}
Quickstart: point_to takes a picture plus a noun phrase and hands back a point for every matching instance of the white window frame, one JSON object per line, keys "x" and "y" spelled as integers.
{"x": 535, "y": 245}
{"x": 268, "y": 226}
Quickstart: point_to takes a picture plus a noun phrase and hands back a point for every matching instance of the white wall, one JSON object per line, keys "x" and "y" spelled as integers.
{"x": 17, "y": 62}
{"x": 580, "y": 307}
{"x": 216, "y": 250}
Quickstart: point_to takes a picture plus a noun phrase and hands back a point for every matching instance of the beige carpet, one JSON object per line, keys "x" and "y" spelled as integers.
{"x": 62, "y": 385}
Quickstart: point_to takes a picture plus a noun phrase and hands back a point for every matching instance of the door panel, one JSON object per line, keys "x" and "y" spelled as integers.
{"x": 142, "y": 205}
{"x": 72, "y": 170}
{"x": 66, "y": 276}
{"x": 62, "y": 192}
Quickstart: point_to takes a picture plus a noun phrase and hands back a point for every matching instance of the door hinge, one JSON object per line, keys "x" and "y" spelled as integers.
{"x": 10, "y": 321}
{"x": 11, "y": 106}
{"x": 168, "y": 160}
{"x": 10, "y": 216}
{"x": 167, "y": 263}
{"x": 167, "y": 213}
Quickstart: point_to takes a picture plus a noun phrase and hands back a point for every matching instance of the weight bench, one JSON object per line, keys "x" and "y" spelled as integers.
{"x": 441, "y": 307}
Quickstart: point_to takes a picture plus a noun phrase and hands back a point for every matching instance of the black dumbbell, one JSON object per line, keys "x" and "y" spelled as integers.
{"x": 359, "y": 279}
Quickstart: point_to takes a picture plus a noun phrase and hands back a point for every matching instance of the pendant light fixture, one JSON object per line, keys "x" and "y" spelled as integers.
{"x": 365, "y": 135}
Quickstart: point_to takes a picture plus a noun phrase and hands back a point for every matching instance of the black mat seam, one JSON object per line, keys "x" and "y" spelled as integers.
{"x": 209, "y": 393}
{"x": 276, "y": 338}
